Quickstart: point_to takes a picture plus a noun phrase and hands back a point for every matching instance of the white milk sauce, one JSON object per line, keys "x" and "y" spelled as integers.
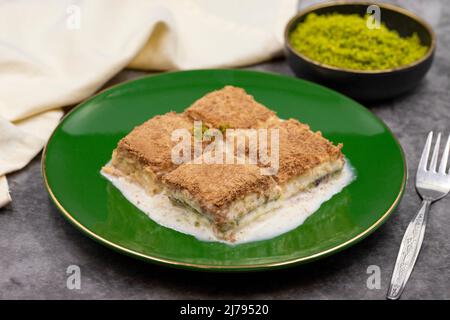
{"x": 287, "y": 214}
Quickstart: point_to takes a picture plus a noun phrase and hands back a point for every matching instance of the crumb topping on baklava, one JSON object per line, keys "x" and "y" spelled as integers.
{"x": 230, "y": 107}
{"x": 151, "y": 143}
{"x": 302, "y": 149}
{"x": 218, "y": 185}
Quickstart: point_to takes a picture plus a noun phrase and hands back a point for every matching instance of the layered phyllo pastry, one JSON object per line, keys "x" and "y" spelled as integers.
{"x": 227, "y": 195}
{"x": 145, "y": 154}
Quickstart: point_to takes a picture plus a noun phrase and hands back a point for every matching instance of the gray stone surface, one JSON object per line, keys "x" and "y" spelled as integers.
{"x": 37, "y": 244}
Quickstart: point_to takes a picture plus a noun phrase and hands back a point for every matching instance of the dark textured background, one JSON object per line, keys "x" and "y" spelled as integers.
{"x": 37, "y": 244}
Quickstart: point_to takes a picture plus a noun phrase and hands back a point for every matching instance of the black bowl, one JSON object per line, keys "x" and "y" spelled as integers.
{"x": 361, "y": 84}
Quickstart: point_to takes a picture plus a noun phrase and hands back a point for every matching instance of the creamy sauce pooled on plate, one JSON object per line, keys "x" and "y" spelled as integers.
{"x": 282, "y": 215}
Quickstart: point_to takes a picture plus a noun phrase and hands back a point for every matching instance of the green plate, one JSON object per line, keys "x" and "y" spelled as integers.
{"x": 83, "y": 142}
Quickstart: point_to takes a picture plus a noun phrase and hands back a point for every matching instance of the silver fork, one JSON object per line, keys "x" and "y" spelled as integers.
{"x": 432, "y": 185}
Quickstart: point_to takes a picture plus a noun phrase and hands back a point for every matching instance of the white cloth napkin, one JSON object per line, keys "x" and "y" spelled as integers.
{"x": 58, "y": 52}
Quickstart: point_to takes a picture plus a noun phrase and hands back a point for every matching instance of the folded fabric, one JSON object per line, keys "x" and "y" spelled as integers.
{"x": 4, "y": 193}
{"x": 20, "y": 142}
{"x": 24, "y": 139}
{"x": 59, "y": 52}
{"x": 55, "y": 53}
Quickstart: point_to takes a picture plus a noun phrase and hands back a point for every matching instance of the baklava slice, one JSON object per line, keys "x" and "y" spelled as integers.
{"x": 224, "y": 194}
{"x": 144, "y": 156}
{"x": 306, "y": 158}
{"x": 231, "y": 107}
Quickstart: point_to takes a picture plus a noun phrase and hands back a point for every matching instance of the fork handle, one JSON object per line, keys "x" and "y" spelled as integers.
{"x": 409, "y": 251}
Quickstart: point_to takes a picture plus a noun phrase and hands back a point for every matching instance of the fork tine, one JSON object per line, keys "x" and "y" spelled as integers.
{"x": 425, "y": 153}
{"x": 444, "y": 160}
{"x": 434, "y": 158}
